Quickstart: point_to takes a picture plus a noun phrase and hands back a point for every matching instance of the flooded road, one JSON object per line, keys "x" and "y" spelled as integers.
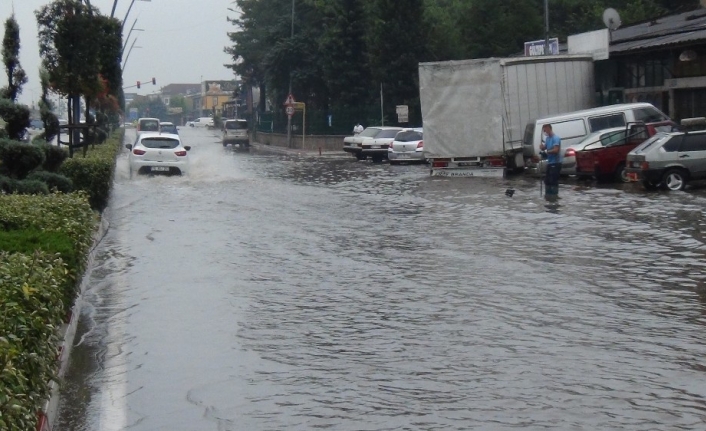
{"x": 276, "y": 292}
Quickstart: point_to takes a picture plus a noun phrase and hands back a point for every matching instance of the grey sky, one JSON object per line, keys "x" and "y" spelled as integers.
{"x": 182, "y": 41}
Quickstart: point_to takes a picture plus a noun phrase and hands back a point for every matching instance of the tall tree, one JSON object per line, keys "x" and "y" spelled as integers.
{"x": 343, "y": 53}
{"x": 16, "y": 116}
{"x": 395, "y": 47}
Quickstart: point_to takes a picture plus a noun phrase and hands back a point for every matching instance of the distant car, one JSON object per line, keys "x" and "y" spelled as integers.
{"x": 352, "y": 144}
{"x": 376, "y": 147}
{"x": 670, "y": 160}
{"x": 235, "y": 132}
{"x": 167, "y": 127}
{"x": 158, "y": 153}
{"x": 147, "y": 124}
{"x": 201, "y": 122}
{"x": 36, "y": 124}
{"x": 408, "y": 146}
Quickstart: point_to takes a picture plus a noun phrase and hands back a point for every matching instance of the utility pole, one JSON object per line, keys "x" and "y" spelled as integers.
{"x": 289, "y": 117}
{"x": 546, "y": 27}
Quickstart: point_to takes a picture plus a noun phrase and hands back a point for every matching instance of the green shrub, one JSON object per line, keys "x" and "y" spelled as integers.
{"x": 54, "y": 182}
{"x": 32, "y": 311}
{"x": 31, "y": 187}
{"x": 27, "y": 241}
{"x": 53, "y": 157}
{"x": 19, "y": 159}
{"x": 7, "y": 185}
{"x": 66, "y": 213}
{"x": 94, "y": 173}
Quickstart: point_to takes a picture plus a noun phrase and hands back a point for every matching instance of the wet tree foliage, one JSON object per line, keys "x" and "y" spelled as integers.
{"x": 343, "y": 50}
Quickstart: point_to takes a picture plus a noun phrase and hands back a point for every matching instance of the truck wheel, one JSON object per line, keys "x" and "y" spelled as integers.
{"x": 675, "y": 179}
{"x": 621, "y": 174}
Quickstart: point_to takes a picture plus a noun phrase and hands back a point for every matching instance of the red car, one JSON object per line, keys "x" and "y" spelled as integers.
{"x": 605, "y": 159}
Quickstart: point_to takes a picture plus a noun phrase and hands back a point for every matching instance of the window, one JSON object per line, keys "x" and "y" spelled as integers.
{"x": 649, "y": 115}
{"x": 236, "y": 125}
{"x": 672, "y": 145}
{"x": 369, "y": 132}
{"x": 613, "y": 138}
{"x": 215, "y": 101}
{"x": 569, "y": 129}
{"x": 606, "y": 121}
{"x": 386, "y": 134}
{"x": 408, "y": 136}
{"x": 529, "y": 134}
{"x": 159, "y": 143}
{"x": 695, "y": 142}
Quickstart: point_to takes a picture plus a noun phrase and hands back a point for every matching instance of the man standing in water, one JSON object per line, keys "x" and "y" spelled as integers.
{"x": 552, "y": 146}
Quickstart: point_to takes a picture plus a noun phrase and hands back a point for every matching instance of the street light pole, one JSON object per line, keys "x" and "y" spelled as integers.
{"x": 546, "y": 27}
{"x": 289, "y": 117}
{"x": 129, "y": 33}
{"x": 128, "y": 12}
{"x": 128, "y": 53}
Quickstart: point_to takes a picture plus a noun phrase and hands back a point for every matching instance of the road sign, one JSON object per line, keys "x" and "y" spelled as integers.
{"x": 290, "y": 110}
{"x": 290, "y": 100}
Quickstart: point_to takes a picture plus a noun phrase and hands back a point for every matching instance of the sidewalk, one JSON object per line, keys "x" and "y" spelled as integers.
{"x": 296, "y": 152}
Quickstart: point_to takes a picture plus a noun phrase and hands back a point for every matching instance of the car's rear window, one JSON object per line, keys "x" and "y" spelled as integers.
{"x": 655, "y": 140}
{"x": 160, "y": 142}
{"x": 149, "y": 126}
{"x": 408, "y": 136}
{"x": 236, "y": 125}
{"x": 369, "y": 132}
{"x": 386, "y": 134}
{"x": 168, "y": 128}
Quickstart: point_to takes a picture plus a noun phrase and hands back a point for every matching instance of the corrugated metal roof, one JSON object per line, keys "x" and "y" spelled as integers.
{"x": 668, "y": 30}
{"x": 669, "y": 39}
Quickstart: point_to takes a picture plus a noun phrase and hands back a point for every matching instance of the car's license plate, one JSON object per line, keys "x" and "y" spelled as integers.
{"x": 403, "y": 156}
{"x": 632, "y": 176}
{"x": 375, "y": 146}
{"x": 160, "y": 169}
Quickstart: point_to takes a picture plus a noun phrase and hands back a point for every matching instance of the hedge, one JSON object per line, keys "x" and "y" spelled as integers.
{"x": 94, "y": 173}
{"x": 32, "y": 310}
{"x": 44, "y": 242}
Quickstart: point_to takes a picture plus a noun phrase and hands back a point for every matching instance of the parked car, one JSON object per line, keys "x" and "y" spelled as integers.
{"x": 235, "y": 132}
{"x": 376, "y": 147}
{"x": 168, "y": 127}
{"x": 408, "y": 146}
{"x": 573, "y": 127}
{"x": 351, "y": 144}
{"x": 604, "y": 159}
{"x": 201, "y": 122}
{"x": 158, "y": 153}
{"x": 670, "y": 160}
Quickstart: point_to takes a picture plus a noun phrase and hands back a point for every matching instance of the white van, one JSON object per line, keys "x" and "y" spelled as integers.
{"x": 572, "y": 127}
{"x": 201, "y": 122}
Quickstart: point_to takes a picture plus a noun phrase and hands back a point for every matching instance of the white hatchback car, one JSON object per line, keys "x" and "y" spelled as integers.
{"x": 158, "y": 153}
{"x": 408, "y": 146}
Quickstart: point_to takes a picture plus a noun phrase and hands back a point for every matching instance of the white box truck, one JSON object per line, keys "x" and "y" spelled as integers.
{"x": 475, "y": 112}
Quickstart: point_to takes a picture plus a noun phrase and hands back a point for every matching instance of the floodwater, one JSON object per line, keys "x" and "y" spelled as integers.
{"x": 283, "y": 292}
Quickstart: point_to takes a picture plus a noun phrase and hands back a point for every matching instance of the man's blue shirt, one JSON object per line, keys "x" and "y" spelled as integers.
{"x": 551, "y": 142}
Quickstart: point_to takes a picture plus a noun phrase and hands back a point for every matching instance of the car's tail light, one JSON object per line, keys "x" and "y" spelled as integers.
{"x": 181, "y": 153}
{"x": 495, "y": 161}
{"x": 645, "y": 166}
{"x": 420, "y": 144}
{"x": 391, "y": 147}
{"x": 439, "y": 164}
{"x": 570, "y": 152}
{"x": 138, "y": 152}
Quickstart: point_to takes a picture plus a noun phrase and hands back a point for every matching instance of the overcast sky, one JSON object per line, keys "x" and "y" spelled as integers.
{"x": 182, "y": 41}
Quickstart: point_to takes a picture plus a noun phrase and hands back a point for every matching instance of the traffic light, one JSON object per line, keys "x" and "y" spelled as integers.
{"x": 154, "y": 81}
{"x": 138, "y": 84}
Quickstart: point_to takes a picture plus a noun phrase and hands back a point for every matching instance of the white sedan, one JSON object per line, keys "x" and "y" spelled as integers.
{"x": 158, "y": 153}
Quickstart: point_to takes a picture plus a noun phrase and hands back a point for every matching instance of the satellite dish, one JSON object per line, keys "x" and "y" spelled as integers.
{"x": 611, "y": 18}
{"x": 687, "y": 55}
